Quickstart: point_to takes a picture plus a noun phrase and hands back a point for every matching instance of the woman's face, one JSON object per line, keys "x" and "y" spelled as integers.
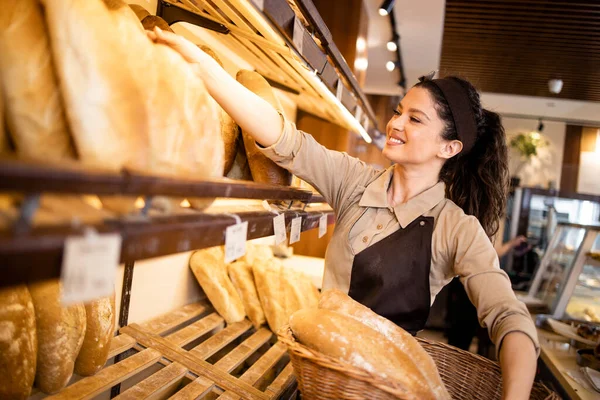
{"x": 414, "y": 132}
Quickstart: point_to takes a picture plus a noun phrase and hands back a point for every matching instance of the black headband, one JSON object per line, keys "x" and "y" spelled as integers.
{"x": 460, "y": 108}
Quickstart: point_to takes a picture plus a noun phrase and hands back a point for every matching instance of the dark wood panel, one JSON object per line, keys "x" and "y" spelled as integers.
{"x": 571, "y": 158}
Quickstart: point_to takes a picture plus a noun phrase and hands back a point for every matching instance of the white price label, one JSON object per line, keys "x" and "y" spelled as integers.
{"x": 260, "y": 4}
{"x": 298, "y": 35}
{"x": 295, "y": 231}
{"x": 339, "y": 89}
{"x": 279, "y": 228}
{"x": 322, "y": 226}
{"x": 235, "y": 241}
{"x": 89, "y": 267}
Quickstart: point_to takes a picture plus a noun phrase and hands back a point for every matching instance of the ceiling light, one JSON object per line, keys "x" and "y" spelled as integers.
{"x": 392, "y": 46}
{"x": 386, "y": 7}
{"x": 361, "y": 45}
{"x": 390, "y": 66}
{"x": 361, "y": 63}
{"x": 555, "y": 85}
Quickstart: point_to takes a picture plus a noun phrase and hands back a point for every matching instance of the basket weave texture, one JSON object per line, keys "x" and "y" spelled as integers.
{"x": 466, "y": 375}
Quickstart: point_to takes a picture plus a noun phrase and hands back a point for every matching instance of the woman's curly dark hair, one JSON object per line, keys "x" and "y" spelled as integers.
{"x": 478, "y": 180}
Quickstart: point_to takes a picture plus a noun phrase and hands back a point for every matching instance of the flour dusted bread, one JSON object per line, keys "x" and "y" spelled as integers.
{"x": 242, "y": 278}
{"x": 34, "y": 110}
{"x": 18, "y": 343}
{"x": 209, "y": 268}
{"x": 263, "y": 169}
{"x": 336, "y": 300}
{"x": 346, "y": 339}
{"x": 282, "y": 291}
{"x": 100, "y": 322}
{"x": 60, "y": 332}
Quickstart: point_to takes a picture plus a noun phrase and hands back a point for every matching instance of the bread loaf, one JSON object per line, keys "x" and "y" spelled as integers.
{"x": 151, "y": 21}
{"x": 230, "y": 131}
{"x": 140, "y": 12}
{"x": 208, "y": 266}
{"x": 257, "y": 253}
{"x": 242, "y": 278}
{"x": 34, "y": 109}
{"x": 60, "y": 332}
{"x": 344, "y": 338}
{"x": 18, "y": 343}
{"x": 263, "y": 169}
{"x": 100, "y": 324}
{"x": 336, "y": 300}
{"x": 282, "y": 291}
{"x": 240, "y": 169}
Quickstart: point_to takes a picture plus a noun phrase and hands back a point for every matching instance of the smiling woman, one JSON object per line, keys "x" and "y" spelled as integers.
{"x": 404, "y": 232}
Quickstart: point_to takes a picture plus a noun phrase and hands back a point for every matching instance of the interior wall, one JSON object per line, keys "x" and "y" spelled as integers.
{"x": 547, "y": 166}
{"x": 589, "y": 163}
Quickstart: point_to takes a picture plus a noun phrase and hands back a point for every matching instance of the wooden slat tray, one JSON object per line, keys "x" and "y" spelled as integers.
{"x": 191, "y": 353}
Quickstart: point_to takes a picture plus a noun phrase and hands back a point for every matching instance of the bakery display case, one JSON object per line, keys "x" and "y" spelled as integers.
{"x": 567, "y": 281}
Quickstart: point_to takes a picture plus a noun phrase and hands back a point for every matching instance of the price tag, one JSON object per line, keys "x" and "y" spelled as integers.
{"x": 279, "y": 228}
{"x": 298, "y": 34}
{"x": 358, "y": 114}
{"x": 89, "y": 266}
{"x": 235, "y": 241}
{"x": 339, "y": 89}
{"x": 295, "y": 231}
{"x": 260, "y": 4}
{"x": 322, "y": 226}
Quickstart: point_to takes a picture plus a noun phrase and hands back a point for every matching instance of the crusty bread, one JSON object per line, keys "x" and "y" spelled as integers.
{"x": 240, "y": 169}
{"x": 336, "y": 300}
{"x": 100, "y": 323}
{"x": 243, "y": 280}
{"x": 209, "y": 268}
{"x": 34, "y": 109}
{"x": 140, "y": 12}
{"x": 343, "y": 337}
{"x": 263, "y": 169}
{"x": 256, "y": 253}
{"x": 151, "y": 21}
{"x": 18, "y": 343}
{"x": 60, "y": 332}
{"x": 64, "y": 209}
{"x": 282, "y": 291}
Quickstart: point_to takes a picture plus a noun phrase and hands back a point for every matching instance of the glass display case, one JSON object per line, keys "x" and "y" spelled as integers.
{"x": 568, "y": 278}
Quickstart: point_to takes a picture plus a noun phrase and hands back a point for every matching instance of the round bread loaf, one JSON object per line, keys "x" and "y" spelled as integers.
{"x": 100, "y": 323}
{"x": 139, "y": 11}
{"x": 60, "y": 332}
{"x": 18, "y": 343}
{"x": 263, "y": 169}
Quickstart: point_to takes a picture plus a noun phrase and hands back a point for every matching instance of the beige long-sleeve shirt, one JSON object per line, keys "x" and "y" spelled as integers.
{"x": 358, "y": 194}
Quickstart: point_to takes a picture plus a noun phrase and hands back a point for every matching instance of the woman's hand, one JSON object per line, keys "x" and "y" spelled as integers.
{"x": 188, "y": 50}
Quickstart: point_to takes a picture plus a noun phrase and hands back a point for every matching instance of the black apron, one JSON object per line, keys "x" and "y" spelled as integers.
{"x": 391, "y": 277}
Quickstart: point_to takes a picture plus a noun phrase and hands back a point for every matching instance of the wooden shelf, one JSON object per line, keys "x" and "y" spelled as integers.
{"x": 37, "y": 254}
{"x": 25, "y": 177}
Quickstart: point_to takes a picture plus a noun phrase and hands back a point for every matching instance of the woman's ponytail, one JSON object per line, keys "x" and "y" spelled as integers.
{"x": 476, "y": 181}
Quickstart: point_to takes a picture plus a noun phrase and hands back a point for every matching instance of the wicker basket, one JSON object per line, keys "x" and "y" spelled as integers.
{"x": 466, "y": 375}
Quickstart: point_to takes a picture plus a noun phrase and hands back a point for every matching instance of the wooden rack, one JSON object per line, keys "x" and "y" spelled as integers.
{"x": 201, "y": 358}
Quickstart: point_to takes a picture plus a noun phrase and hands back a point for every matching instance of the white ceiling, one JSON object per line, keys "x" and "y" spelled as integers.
{"x": 420, "y": 26}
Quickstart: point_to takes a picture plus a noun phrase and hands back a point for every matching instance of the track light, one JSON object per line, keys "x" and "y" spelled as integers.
{"x": 390, "y": 66}
{"x": 386, "y": 7}
{"x": 392, "y": 46}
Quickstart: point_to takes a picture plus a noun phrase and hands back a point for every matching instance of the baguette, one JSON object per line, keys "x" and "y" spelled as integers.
{"x": 243, "y": 281}
{"x": 263, "y": 169}
{"x": 210, "y": 270}
{"x": 346, "y": 339}
{"x": 100, "y": 323}
{"x": 35, "y": 114}
{"x": 18, "y": 343}
{"x": 60, "y": 332}
{"x": 336, "y": 300}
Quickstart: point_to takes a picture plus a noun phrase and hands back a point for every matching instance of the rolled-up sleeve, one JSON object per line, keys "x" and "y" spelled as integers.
{"x": 334, "y": 174}
{"x": 488, "y": 287}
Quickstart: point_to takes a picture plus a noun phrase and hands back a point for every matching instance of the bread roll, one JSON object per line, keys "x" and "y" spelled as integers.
{"x": 18, "y": 343}
{"x": 230, "y": 131}
{"x": 140, "y": 12}
{"x": 282, "y": 291}
{"x": 336, "y": 300}
{"x": 34, "y": 109}
{"x": 263, "y": 169}
{"x": 60, "y": 332}
{"x": 151, "y": 21}
{"x": 343, "y": 337}
{"x": 100, "y": 323}
{"x": 242, "y": 278}
{"x": 208, "y": 266}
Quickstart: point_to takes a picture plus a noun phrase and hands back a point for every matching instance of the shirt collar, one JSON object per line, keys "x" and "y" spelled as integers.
{"x": 375, "y": 195}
